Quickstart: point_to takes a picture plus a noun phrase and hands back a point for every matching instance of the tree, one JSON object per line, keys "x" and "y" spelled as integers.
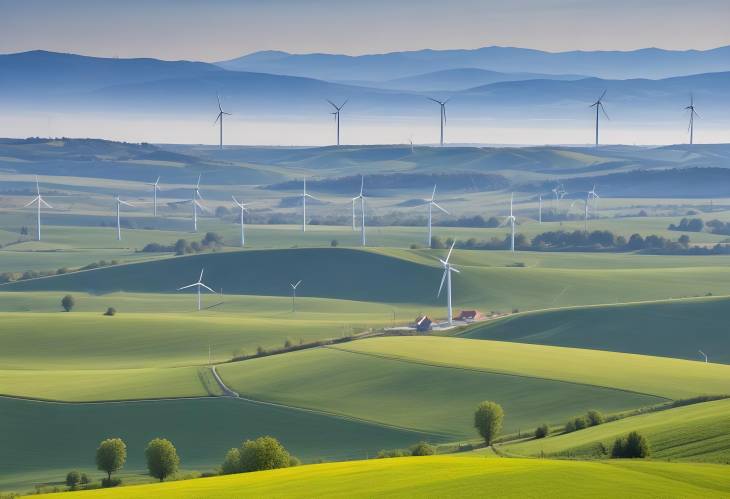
{"x": 423, "y": 449}
{"x": 111, "y": 456}
{"x": 264, "y": 453}
{"x": 334, "y": 243}
{"x": 232, "y": 462}
{"x": 634, "y": 445}
{"x": 542, "y": 431}
{"x": 73, "y": 478}
{"x": 84, "y": 479}
{"x": 110, "y": 311}
{"x": 594, "y": 418}
{"x": 162, "y": 458}
{"x": 488, "y": 420}
{"x": 68, "y": 302}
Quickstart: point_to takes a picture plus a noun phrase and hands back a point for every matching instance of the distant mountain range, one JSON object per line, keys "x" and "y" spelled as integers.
{"x": 643, "y": 63}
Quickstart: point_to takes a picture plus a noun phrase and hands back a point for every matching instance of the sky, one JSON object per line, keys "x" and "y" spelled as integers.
{"x": 217, "y": 30}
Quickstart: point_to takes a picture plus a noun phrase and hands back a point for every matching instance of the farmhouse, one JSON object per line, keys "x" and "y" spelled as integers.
{"x": 470, "y": 315}
{"x": 423, "y": 324}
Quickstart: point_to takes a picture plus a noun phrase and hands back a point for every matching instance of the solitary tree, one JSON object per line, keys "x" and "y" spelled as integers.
{"x": 73, "y": 478}
{"x": 111, "y": 456}
{"x": 68, "y": 302}
{"x": 264, "y": 453}
{"x": 162, "y": 458}
{"x": 488, "y": 420}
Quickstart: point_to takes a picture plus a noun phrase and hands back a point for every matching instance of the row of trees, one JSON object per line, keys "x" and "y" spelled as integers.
{"x": 34, "y": 274}
{"x": 210, "y": 242}
{"x": 161, "y": 455}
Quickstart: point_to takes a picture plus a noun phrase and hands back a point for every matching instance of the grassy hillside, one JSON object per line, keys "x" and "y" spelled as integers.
{"x": 415, "y": 395}
{"x": 670, "y": 378}
{"x": 439, "y": 476}
{"x": 49, "y": 439}
{"x": 671, "y": 329}
{"x": 699, "y": 432}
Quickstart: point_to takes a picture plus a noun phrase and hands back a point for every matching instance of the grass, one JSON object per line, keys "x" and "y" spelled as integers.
{"x": 440, "y": 476}
{"x": 676, "y": 328}
{"x": 413, "y": 395}
{"x": 698, "y": 432}
{"x": 662, "y": 377}
{"x": 41, "y": 441}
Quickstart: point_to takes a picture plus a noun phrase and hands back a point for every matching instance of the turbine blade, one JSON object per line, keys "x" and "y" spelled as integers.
{"x": 201, "y": 275}
{"x": 188, "y": 286}
{"x": 454, "y": 269}
{"x": 603, "y": 109}
{"x": 443, "y": 278}
{"x": 343, "y": 104}
{"x": 602, "y": 95}
{"x": 439, "y": 207}
{"x": 34, "y": 200}
{"x": 332, "y": 104}
{"x": 433, "y": 195}
{"x": 450, "y": 250}
{"x": 206, "y": 287}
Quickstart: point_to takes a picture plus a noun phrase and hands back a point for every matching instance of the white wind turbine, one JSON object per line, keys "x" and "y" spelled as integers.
{"x": 448, "y": 269}
{"x": 221, "y": 113}
{"x": 511, "y": 219}
{"x": 242, "y": 207}
{"x": 704, "y": 355}
{"x": 155, "y": 188}
{"x": 599, "y": 107}
{"x": 196, "y": 204}
{"x": 120, "y": 202}
{"x": 443, "y": 115}
{"x": 593, "y": 196}
{"x": 559, "y": 193}
{"x": 294, "y": 294}
{"x": 199, "y": 284}
{"x": 539, "y": 211}
{"x": 692, "y": 114}
{"x": 336, "y": 114}
{"x": 305, "y": 195}
{"x": 361, "y": 197}
{"x": 38, "y": 199}
{"x": 431, "y": 203}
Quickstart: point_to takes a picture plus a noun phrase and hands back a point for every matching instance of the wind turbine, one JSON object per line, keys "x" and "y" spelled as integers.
{"x": 119, "y": 223}
{"x": 599, "y": 107}
{"x": 559, "y": 193}
{"x": 443, "y": 115}
{"x": 692, "y": 114}
{"x": 539, "y": 211}
{"x": 243, "y": 208}
{"x": 294, "y": 294}
{"x": 511, "y": 219}
{"x": 196, "y": 204}
{"x": 304, "y": 204}
{"x": 704, "y": 355}
{"x": 155, "y": 188}
{"x": 448, "y": 269}
{"x": 38, "y": 199}
{"x": 221, "y": 112}
{"x": 336, "y": 114}
{"x": 361, "y": 197}
{"x": 593, "y": 195}
{"x": 431, "y": 203}
{"x": 199, "y": 284}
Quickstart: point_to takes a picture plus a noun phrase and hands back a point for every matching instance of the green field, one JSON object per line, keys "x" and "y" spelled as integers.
{"x": 440, "y": 476}
{"x": 677, "y": 328}
{"x": 699, "y": 432}
{"x": 436, "y": 399}
{"x": 49, "y": 439}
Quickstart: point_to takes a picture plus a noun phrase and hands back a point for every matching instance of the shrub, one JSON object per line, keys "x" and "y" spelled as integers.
{"x": 232, "y": 462}
{"x": 264, "y": 453}
{"x": 162, "y": 458}
{"x": 633, "y": 446}
{"x": 383, "y": 454}
{"x": 334, "y": 243}
{"x": 84, "y": 479}
{"x": 542, "y": 431}
{"x": 594, "y": 418}
{"x": 68, "y": 302}
{"x": 423, "y": 449}
{"x": 577, "y": 423}
{"x": 73, "y": 478}
{"x": 111, "y": 456}
{"x": 110, "y": 482}
{"x": 488, "y": 420}
{"x": 294, "y": 461}
{"x": 110, "y": 311}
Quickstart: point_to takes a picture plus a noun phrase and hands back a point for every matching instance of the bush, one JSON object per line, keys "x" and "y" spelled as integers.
{"x": 232, "y": 462}
{"x": 488, "y": 420}
{"x": 111, "y": 456}
{"x": 84, "y": 479}
{"x": 111, "y": 311}
{"x": 633, "y": 446}
{"x": 423, "y": 449}
{"x": 542, "y": 431}
{"x": 294, "y": 461}
{"x": 594, "y": 418}
{"x": 575, "y": 424}
{"x": 264, "y": 453}
{"x": 73, "y": 478}
{"x": 110, "y": 482}
{"x": 334, "y": 243}
{"x": 68, "y": 302}
{"x": 162, "y": 458}
{"x": 384, "y": 454}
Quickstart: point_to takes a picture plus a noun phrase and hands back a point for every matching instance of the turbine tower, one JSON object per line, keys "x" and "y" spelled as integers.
{"x": 361, "y": 197}
{"x": 221, "y": 112}
{"x": 196, "y": 204}
{"x": 155, "y": 188}
{"x": 38, "y": 199}
{"x": 539, "y": 210}
{"x": 199, "y": 284}
{"x": 511, "y": 219}
{"x": 599, "y": 107}
{"x": 304, "y": 204}
{"x": 704, "y": 355}
{"x": 692, "y": 114}
{"x": 243, "y": 208}
{"x": 431, "y": 203}
{"x": 119, "y": 223}
{"x": 448, "y": 269}
{"x": 294, "y": 294}
{"x": 336, "y": 114}
{"x": 443, "y": 115}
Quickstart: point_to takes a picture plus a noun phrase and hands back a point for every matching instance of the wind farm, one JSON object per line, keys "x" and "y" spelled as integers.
{"x": 532, "y": 302}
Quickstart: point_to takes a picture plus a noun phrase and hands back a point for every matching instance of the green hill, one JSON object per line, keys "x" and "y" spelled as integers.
{"x": 699, "y": 432}
{"x": 441, "y": 476}
{"x": 677, "y": 328}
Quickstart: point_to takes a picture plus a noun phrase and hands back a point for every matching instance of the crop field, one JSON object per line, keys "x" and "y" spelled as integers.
{"x": 677, "y": 328}
{"x": 698, "y": 432}
{"x": 453, "y": 476}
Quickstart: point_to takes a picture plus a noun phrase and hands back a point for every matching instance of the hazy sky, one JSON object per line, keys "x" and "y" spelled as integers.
{"x": 221, "y": 29}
